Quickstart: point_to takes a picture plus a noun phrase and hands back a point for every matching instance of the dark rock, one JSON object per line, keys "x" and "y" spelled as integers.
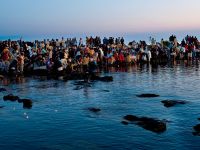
{"x": 170, "y": 103}
{"x": 197, "y": 128}
{"x": 2, "y": 106}
{"x": 124, "y": 122}
{"x": 10, "y": 97}
{"x": 92, "y": 109}
{"x": 147, "y": 95}
{"x": 27, "y": 103}
{"x": 196, "y": 133}
{"x": 150, "y": 124}
{"x": 198, "y": 118}
{"x": 131, "y": 118}
{"x": 2, "y": 90}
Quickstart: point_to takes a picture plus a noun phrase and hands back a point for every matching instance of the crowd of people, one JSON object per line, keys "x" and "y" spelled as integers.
{"x": 72, "y": 55}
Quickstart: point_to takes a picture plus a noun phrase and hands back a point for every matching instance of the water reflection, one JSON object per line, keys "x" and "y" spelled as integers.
{"x": 20, "y": 80}
{"x": 86, "y": 92}
{"x": 139, "y": 68}
{"x": 13, "y": 80}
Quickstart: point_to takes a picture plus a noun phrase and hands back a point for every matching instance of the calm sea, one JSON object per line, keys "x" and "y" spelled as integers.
{"x": 60, "y": 120}
{"x": 128, "y": 37}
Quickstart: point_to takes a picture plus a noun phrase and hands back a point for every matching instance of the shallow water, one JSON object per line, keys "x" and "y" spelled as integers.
{"x": 60, "y": 119}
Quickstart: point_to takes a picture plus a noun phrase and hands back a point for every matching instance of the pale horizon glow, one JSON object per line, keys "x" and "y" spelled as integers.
{"x": 82, "y": 17}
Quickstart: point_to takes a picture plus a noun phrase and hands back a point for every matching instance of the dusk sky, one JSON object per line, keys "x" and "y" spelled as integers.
{"x": 82, "y": 17}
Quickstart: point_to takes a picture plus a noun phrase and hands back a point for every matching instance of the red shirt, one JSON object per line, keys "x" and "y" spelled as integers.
{"x": 121, "y": 57}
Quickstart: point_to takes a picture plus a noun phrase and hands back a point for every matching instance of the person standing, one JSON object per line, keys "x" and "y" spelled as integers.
{"x": 80, "y": 42}
{"x": 122, "y": 41}
{"x": 21, "y": 62}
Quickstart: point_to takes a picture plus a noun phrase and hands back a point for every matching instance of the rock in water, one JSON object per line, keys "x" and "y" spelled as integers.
{"x": 131, "y": 118}
{"x": 150, "y": 124}
{"x": 197, "y": 130}
{"x": 2, "y": 90}
{"x": 92, "y": 109}
{"x": 153, "y": 125}
{"x": 10, "y": 97}
{"x": 27, "y": 103}
{"x": 105, "y": 90}
{"x": 170, "y": 103}
{"x": 148, "y": 95}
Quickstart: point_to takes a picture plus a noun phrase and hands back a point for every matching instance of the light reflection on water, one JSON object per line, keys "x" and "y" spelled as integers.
{"x": 60, "y": 119}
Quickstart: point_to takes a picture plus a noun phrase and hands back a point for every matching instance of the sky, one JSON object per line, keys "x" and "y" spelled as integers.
{"x": 98, "y": 17}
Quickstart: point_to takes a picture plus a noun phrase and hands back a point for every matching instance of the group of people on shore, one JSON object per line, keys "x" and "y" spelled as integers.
{"x": 72, "y": 54}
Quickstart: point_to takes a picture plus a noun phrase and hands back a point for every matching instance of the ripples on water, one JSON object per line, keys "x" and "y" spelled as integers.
{"x": 60, "y": 119}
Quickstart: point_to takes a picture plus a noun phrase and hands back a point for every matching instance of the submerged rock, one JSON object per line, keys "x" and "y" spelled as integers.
{"x": 197, "y": 130}
{"x": 92, "y": 109}
{"x": 10, "y": 97}
{"x": 150, "y": 124}
{"x": 131, "y": 118}
{"x": 2, "y": 90}
{"x": 2, "y": 106}
{"x": 105, "y": 90}
{"x": 170, "y": 103}
{"x": 148, "y": 95}
{"x": 27, "y": 103}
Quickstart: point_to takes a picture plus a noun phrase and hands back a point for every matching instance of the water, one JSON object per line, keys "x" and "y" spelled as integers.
{"x": 60, "y": 120}
{"x": 129, "y": 37}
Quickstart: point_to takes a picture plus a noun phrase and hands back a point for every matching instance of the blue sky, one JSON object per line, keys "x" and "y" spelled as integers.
{"x": 84, "y": 17}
